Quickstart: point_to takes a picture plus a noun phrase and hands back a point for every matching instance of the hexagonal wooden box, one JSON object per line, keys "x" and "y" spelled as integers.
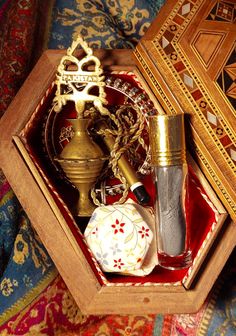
{"x": 22, "y": 160}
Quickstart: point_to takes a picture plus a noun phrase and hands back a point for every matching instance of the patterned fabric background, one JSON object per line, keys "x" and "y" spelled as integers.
{"x": 33, "y": 297}
{"x": 25, "y": 267}
{"x": 17, "y": 27}
{"x": 104, "y": 24}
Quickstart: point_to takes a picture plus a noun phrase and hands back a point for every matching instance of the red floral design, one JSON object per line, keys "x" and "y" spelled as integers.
{"x": 54, "y": 311}
{"x": 118, "y": 263}
{"x": 95, "y": 231}
{"x": 144, "y": 232}
{"x": 118, "y": 227}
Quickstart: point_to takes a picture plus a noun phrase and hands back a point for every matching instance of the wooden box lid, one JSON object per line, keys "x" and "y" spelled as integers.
{"x": 188, "y": 57}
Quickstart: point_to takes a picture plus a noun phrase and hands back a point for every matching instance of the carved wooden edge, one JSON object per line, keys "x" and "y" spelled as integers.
{"x": 220, "y": 216}
{"x": 167, "y": 300}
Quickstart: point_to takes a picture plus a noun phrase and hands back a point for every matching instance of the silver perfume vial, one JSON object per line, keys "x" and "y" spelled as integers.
{"x": 168, "y": 156}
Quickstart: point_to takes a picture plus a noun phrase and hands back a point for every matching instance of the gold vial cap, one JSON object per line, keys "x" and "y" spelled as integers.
{"x": 167, "y": 140}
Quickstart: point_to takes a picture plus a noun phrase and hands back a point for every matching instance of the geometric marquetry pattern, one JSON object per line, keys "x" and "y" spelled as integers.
{"x": 227, "y": 78}
{"x": 165, "y": 43}
{"x": 223, "y": 11}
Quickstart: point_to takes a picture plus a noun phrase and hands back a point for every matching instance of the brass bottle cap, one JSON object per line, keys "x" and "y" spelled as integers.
{"x": 167, "y": 140}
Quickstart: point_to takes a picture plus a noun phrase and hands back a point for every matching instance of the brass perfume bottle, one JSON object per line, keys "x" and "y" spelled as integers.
{"x": 81, "y": 159}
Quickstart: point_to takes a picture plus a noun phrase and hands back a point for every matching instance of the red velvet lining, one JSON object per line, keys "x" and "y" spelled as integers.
{"x": 158, "y": 275}
{"x": 199, "y": 214}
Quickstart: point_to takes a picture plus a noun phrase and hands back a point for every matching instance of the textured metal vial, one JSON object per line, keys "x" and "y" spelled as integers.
{"x": 168, "y": 157}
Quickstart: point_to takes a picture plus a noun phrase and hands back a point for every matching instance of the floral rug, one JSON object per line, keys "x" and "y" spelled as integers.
{"x": 34, "y": 299}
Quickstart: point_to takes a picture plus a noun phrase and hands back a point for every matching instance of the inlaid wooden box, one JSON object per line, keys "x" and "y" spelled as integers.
{"x": 23, "y": 162}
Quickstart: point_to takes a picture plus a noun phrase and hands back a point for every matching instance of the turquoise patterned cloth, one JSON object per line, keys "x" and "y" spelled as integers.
{"x": 104, "y": 24}
{"x": 24, "y": 261}
{"x": 9, "y": 214}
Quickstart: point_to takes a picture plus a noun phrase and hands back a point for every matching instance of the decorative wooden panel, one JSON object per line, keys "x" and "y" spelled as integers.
{"x": 189, "y": 58}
